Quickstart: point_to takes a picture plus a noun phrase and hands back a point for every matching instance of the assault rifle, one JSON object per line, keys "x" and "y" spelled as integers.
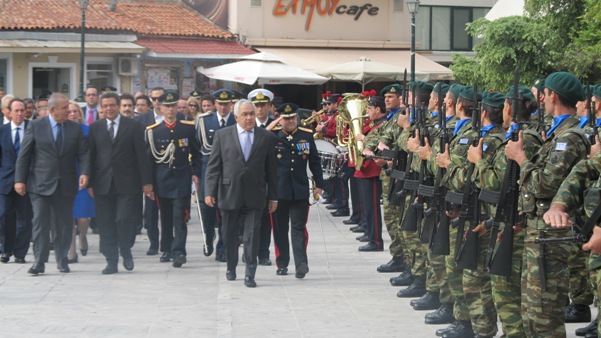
{"x": 397, "y": 173}
{"x": 409, "y": 221}
{"x": 592, "y": 115}
{"x": 540, "y": 117}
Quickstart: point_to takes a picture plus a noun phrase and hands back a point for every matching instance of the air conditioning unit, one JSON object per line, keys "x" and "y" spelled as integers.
{"x": 128, "y": 66}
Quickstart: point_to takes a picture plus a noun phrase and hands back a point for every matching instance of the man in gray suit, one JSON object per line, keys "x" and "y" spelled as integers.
{"x": 51, "y": 150}
{"x": 241, "y": 174}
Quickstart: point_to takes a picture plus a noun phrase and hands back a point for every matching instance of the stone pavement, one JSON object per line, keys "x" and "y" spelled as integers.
{"x": 342, "y": 295}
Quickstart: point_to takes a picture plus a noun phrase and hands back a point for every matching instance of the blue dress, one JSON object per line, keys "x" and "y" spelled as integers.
{"x": 83, "y": 207}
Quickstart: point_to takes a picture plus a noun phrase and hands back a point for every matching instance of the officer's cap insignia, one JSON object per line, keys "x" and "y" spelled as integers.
{"x": 260, "y": 96}
{"x": 392, "y": 90}
{"x": 169, "y": 97}
{"x": 223, "y": 95}
{"x": 288, "y": 109}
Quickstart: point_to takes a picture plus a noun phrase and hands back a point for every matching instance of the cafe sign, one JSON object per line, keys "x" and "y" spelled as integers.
{"x": 323, "y": 8}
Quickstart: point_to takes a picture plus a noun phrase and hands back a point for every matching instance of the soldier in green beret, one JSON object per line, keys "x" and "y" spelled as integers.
{"x": 545, "y": 268}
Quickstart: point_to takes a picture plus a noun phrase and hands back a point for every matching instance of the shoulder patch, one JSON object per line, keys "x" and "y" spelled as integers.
{"x": 561, "y": 146}
{"x": 190, "y": 123}
{"x": 153, "y": 126}
{"x": 305, "y": 129}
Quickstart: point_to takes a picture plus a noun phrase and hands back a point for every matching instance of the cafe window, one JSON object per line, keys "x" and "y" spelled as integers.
{"x": 100, "y": 72}
{"x": 443, "y": 28}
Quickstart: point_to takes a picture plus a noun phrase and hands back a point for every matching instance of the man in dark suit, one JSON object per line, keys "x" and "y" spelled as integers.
{"x": 52, "y": 147}
{"x": 120, "y": 167}
{"x": 15, "y": 210}
{"x": 262, "y": 99}
{"x": 242, "y": 175}
{"x": 207, "y": 124}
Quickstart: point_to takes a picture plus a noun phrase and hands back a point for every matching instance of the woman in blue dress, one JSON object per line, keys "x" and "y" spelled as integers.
{"x": 83, "y": 207}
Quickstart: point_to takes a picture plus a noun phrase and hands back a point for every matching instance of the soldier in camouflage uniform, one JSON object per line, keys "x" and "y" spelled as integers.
{"x": 392, "y": 99}
{"x": 538, "y": 88}
{"x": 544, "y": 270}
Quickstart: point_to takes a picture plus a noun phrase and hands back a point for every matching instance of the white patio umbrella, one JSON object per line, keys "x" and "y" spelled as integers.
{"x": 264, "y": 68}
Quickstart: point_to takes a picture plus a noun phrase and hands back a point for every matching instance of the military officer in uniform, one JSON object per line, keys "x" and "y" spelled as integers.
{"x": 176, "y": 158}
{"x": 295, "y": 148}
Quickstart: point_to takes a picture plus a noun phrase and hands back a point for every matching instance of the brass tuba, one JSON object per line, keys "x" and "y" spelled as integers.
{"x": 351, "y": 113}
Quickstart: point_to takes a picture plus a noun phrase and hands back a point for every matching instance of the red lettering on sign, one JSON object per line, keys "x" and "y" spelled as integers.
{"x": 323, "y": 7}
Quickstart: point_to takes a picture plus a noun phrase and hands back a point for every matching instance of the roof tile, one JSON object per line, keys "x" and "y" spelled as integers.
{"x": 194, "y": 46}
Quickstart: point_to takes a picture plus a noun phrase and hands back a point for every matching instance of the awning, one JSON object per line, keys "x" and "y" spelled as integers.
{"x": 313, "y": 59}
{"x": 194, "y": 49}
{"x": 56, "y": 46}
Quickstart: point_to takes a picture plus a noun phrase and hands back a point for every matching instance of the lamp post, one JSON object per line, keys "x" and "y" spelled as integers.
{"x": 83, "y": 4}
{"x": 413, "y": 6}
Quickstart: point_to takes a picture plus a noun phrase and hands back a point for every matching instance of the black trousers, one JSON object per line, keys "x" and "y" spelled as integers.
{"x": 115, "y": 214}
{"x": 355, "y": 198}
{"x": 151, "y": 222}
{"x": 265, "y": 235}
{"x": 371, "y": 190}
{"x": 174, "y": 230}
{"x": 250, "y": 221}
{"x": 291, "y": 214}
{"x": 15, "y": 223}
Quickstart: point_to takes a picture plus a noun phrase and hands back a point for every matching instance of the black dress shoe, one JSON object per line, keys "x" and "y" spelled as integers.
{"x": 416, "y": 289}
{"x": 331, "y": 207}
{"x": 4, "y": 258}
{"x": 281, "y": 271}
{"x": 250, "y": 282}
{"x": 73, "y": 260}
{"x": 301, "y": 270}
{"x": 363, "y": 238}
{"x": 577, "y": 313}
{"x": 152, "y": 252}
{"x": 396, "y": 264}
{"x": 341, "y": 213}
{"x": 63, "y": 267}
{"x": 36, "y": 270}
{"x": 179, "y": 261}
{"x": 220, "y": 257}
{"x": 358, "y": 229}
{"x": 20, "y": 260}
{"x": 462, "y": 330}
{"x": 111, "y": 268}
{"x": 404, "y": 279}
{"x": 230, "y": 275}
{"x": 128, "y": 263}
{"x": 443, "y": 315}
{"x": 370, "y": 247}
{"x": 265, "y": 261}
{"x": 326, "y": 201}
{"x": 452, "y": 326}
{"x": 165, "y": 257}
{"x": 350, "y": 221}
{"x": 429, "y": 301}
{"x": 589, "y": 328}
{"x": 209, "y": 250}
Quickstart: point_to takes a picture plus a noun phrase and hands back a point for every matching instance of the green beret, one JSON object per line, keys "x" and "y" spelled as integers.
{"x": 467, "y": 92}
{"x": 444, "y": 88}
{"x": 493, "y": 99}
{"x": 455, "y": 89}
{"x": 539, "y": 84}
{"x": 287, "y": 110}
{"x": 420, "y": 87}
{"x": 393, "y": 89}
{"x": 597, "y": 91}
{"x": 523, "y": 91}
{"x": 565, "y": 85}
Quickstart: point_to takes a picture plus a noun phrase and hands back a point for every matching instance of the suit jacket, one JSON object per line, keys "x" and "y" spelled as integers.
{"x": 43, "y": 168}
{"x": 8, "y": 159}
{"x": 123, "y": 162}
{"x": 238, "y": 183}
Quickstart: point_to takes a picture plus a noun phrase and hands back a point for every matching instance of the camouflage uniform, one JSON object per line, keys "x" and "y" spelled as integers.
{"x": 506, "y": 291}
{"x": 543, "y": 313}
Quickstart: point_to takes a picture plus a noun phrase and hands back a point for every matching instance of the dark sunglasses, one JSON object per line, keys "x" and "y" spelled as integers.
{"x": 193, "y": 105}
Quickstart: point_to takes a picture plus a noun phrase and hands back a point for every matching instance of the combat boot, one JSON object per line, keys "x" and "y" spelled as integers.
{"x": 589, "y": 328}
{"x": 441, "y": 332}
{"x": 416, "y": 289}
{"x": 429, "y": 301}
{"x": 592, "y": 334}
{"x": 404, "y": 279}
{"x": 462, "y": 330}
{"x": 443, "y": 315}
{"x": 396, "y": 264}
{"x": 577, "y": 313}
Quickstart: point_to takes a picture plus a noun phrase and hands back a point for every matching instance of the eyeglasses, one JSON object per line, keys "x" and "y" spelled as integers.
{"x": 193, "y": 105}
{"x": 154, "y": 98}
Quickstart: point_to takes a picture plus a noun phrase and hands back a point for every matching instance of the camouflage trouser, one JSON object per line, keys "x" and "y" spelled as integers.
{"x": 436, "y": 277}
{"x": 506, "y": 292}
{"x": 543, "y": 308}
{"x": 580, "y": 283}
{"x": 415, "y": 256}
{"x": 455, "y": 280}
{"x": 391, "y": 219}
{"x": 595, "y": 276}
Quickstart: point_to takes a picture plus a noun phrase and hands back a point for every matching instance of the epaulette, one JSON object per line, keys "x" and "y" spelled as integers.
{"x": 190, "y": 123}
{"x": 152, "y": 126}
{"x": 306, "y": 130}
{"x": 276, "y": 128}
{"x": 205, "y": 114}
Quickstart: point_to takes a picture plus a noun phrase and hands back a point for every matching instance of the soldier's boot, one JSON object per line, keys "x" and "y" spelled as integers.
{"x": 577, "y": 313}
{"x": 462, "y": 330}
{"x": 416, "y": 289}
{"x": 592, "y": 334}
{"x": 454, "y": 324}
{"x": 404, "y": 279}
{"x": 589, "y": 328}
{"x": 442, "y": 315}
{"x": 396, "y": 264}
{"x": 429, "y": 301}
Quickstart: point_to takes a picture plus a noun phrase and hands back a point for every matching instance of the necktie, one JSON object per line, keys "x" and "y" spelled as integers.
{"x": 59, "y": 137}
{"x": 90, "y": 116}
{"x": 17, "y": 141}
{"x": 262, "y": 126}
{"x": 247, "y": 145}
{"x": 222, "y": 123}
{"x": 112, "y": 130}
